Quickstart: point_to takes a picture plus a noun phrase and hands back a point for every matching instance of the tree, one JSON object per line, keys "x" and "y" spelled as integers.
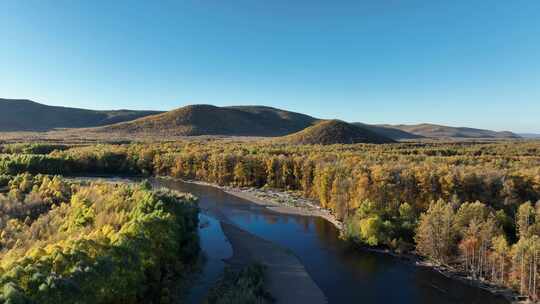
{"x": 525, "y": 251}
{"x": 524, "y": 219}
{"x": 371, "y": 230}
{"x": 340, "y": 194}
{"x": 241, "y": 175}
{"x": 436, "y": 235}
{"x": 468, "y": 212}
{"x": 367, "y": 225}
{"x": 501, "y": 253}
{"x": 407, "y": 222}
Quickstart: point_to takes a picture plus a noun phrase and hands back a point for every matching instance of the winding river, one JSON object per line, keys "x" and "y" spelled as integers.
{"x": 344, "y": 274}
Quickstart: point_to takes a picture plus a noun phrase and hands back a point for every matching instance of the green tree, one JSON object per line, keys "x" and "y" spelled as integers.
{"x": 371, "y": 230}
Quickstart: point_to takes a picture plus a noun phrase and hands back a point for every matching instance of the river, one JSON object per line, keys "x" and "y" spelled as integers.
{"x": 344, "y": 274}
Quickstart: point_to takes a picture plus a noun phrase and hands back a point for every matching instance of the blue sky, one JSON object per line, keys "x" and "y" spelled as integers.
{"x": 467, "y": 63}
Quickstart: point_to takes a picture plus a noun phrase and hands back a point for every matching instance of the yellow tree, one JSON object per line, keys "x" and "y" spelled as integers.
{"x": 501, "y": 252}
{"x": 435, "y": 235}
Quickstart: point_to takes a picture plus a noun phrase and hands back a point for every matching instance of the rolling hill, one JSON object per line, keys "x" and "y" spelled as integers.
{"x": 197, "y": 120}
{"x": 438, "y": 131}
{"x": 27, "y": 115}
{"x": 330, "y": 132}
{"x": 393, "y": 133}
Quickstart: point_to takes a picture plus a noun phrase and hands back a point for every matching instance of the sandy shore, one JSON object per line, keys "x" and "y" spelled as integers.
{"x": 304, "y": 207}
{"x": 277, "y": 201}
{"x": 286, "y": 278}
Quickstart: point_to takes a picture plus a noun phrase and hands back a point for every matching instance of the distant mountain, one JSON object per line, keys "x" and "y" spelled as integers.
{"x": 27, "y": 115}
{"x": 393, "y": 133}
{"x": 196, "y": 120}
{"x": 438, "y": 131}
{"x": 330, "y": 132}
{"x": 530, "y": 135}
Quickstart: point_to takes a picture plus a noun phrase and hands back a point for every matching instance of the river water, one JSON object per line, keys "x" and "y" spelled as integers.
{"x": 344, "y": 274}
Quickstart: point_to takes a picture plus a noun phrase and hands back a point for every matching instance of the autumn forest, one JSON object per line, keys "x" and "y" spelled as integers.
{"x": 471, "y": 207}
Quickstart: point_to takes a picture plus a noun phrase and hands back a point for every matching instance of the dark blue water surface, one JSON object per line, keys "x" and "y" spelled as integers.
{"x": 344, "y": 274}
{"x": 216, "y": 250}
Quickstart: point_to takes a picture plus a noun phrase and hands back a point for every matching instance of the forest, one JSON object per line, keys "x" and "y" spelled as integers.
{"x": 93, "y": 242}
{"x": 471, "y": 206}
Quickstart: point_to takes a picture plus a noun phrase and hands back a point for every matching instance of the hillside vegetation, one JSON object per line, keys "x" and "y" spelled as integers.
{"x": 211, "y": 120}
{"x": 330, "y": 132}
{"x": 438, "y": 131}
{"x": 26, "y": 115}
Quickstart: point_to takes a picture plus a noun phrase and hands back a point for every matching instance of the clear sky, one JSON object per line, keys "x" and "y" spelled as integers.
{"x": 459, "y": 62}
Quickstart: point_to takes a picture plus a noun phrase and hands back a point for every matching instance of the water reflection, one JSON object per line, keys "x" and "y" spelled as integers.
{"x": 345, "y": 274}
{"x": 216, "y": 249}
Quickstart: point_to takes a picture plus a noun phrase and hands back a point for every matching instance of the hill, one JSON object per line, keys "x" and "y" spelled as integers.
{"x": 196, "y": 120}
{"x": 530, "y": 135}
{"x": 438, "y": 131}
{"x": 393, "y": 133}
{"x": 27, "y": 115}
{"x": 330, "y": 132}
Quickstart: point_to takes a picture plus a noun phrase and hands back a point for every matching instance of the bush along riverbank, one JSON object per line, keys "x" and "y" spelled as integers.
{"x": 65, "y": 242}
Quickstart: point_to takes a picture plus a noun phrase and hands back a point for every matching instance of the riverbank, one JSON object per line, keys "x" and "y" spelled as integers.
{"x": 284, "y": 203}
{"x": 287, "y": 203}
{"x": 277, "y": 201}
{"x": 508, "y": 294}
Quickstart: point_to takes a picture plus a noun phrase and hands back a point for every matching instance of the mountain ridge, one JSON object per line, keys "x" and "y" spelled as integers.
{"x": 28, "y": 115}
{"x": 203, "y": 119}
{"x": 393, "y": 133}
{"x": 529, "y": 135}
{"x": 429, "y": 130}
